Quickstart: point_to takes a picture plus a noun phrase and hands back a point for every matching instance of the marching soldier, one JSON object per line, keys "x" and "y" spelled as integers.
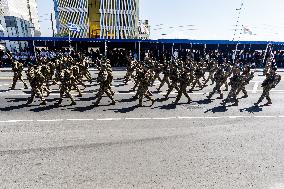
{"x": 18, "y": 68}
{"x": 36, "y": 80}
{"x": 220, "y": 78}
{"x": 104, "y": 79}
{"x": 235, "y": 83}
{"x": 271, "y": 81}
{"x": 183, "y": 81}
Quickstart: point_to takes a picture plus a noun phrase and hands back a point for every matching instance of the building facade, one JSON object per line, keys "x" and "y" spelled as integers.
{"x": 16, "y": 27}
{"x": 19, "y": 18}
{"x": 23, "y": 9}
{"x": 108, "y": 19}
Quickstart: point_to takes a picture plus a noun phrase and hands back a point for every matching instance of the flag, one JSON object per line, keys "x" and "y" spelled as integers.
{"x": 73, "y": 27}
{"x": 247, "y": 31}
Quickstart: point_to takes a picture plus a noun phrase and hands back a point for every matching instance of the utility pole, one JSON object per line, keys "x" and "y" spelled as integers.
{"x": 52, "y": 25}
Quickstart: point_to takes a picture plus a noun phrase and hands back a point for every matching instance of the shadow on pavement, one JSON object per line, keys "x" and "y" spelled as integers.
{"x": 11, "y": 108}
{"x": 125, "y": 110}
{"x": 217, "y": 109}
{"x": 45, "y": 108}
{"x": 253, "y": 109}
{"x": 205, "y": 101}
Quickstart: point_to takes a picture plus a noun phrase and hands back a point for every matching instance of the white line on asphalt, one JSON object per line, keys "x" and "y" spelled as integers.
{"x": 6, "y": 84}
{"x": 109, "y": 119}
{"x": 254, "y": 91}
{"x": 236, "y": 117}
{"x": 80, "y": 119}
{"x": 15, "y": 121}
{"x": 199, "y": 117}
{"x": 51, "y": 120}
{"x": 163, "y": 118}
{"x": 265, "y": 116}
{"x": 138, "y": 118}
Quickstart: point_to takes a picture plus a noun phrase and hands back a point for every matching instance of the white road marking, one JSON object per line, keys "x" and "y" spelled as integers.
{"x": 138, "y": 118}
{"x": 80, "y": 119}
{"x": 51, "y": 120}
{"x": 163, "y": 118}
{"x": 265, "y": 116}
{"x": 255, "y": 87}
{"x": 6, "y": 84}
{"x": 15, "y": 121}
{"x": 236, "y": 117}
{"x": 109, "y": 119}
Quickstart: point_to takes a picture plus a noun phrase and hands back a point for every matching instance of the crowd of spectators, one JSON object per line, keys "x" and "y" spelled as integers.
{"x": 120, "y": 57}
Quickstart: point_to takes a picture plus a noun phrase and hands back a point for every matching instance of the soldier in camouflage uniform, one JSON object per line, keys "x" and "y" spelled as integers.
{"x": 174, "y": 75}
{"x": 220, "y": 78}
{"x": 36, "y": 80}
{"x": 65, "y": 88}
{"x": 166, "y": 73}
{"x": 235, "y": 83}
{"x": 105, "y": 79}
{"x": 247, "y": 76}
{"x": 271, "y": 81}
{"x": 183, "y": 84}
{"x": 144, "y": 83}
{"x": 18, "y": 68}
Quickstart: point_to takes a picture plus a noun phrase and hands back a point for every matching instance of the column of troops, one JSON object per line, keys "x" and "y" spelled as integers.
{"x": 184, "y": 76}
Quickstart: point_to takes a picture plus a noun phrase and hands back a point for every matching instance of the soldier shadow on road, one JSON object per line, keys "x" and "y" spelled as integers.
{"x": 11, "y": 108}
{"x": 217, "y": 109}
{"x": 46, "y": 108}
{"x": 253, "y": 109}
{"x": 125, "y": 110}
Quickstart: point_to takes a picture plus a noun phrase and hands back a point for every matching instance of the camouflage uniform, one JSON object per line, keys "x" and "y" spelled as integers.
{"x": 235, "y": 83}
{"x": 18, "y": 68}
{"x": 105, "y": 80}
{"x": 271, "y": 81}
{"x": 183, "y": 81}
{"x": 36, "y": 80}
{"x": 66, "y": 86}
{"x": 143, "y": 87}
{"x": 220, "y": 78}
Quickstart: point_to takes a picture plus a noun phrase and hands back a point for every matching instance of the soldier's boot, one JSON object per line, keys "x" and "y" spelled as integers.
{"x": 60, "y": 101}
{"x": 245, "y": 95}
{"x": 210, "y": 95}
{"x": 30, "y": 101}
{"x": 221, "y": 96}
{"x": 236, "y": 103}
{"x": 258, "y": 102}
{"x": 73, "y": 103}
{"x": 26, "y": 86}
{"x": 43, "y": 103}
{"x": 269, "y": 102}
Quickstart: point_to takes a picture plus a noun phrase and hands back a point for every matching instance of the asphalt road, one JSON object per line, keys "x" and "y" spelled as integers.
{"x": 198, "y": 145}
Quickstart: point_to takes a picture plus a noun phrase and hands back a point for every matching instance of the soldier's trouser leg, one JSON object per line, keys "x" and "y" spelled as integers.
{"x": 264, "y": 94}
{"x": 186, "y": 95}
{"x": 20, "y": 77}
{"x": 169, "y": 91}
{"x": 140, "y": 97}
{"x": 268, "y": 98}
{"x": 31, "y": 99}
{"x": 15, "y": 79}
{"x": 162, "y": 84}
{"x": 109, "y": 94}
{"x": 68, "y": 94}
{"x": 99, "y": 96}
{"x": 149, "y": 97}
{"x": 194, "y": 84}
{"x": 178, "y": 97}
